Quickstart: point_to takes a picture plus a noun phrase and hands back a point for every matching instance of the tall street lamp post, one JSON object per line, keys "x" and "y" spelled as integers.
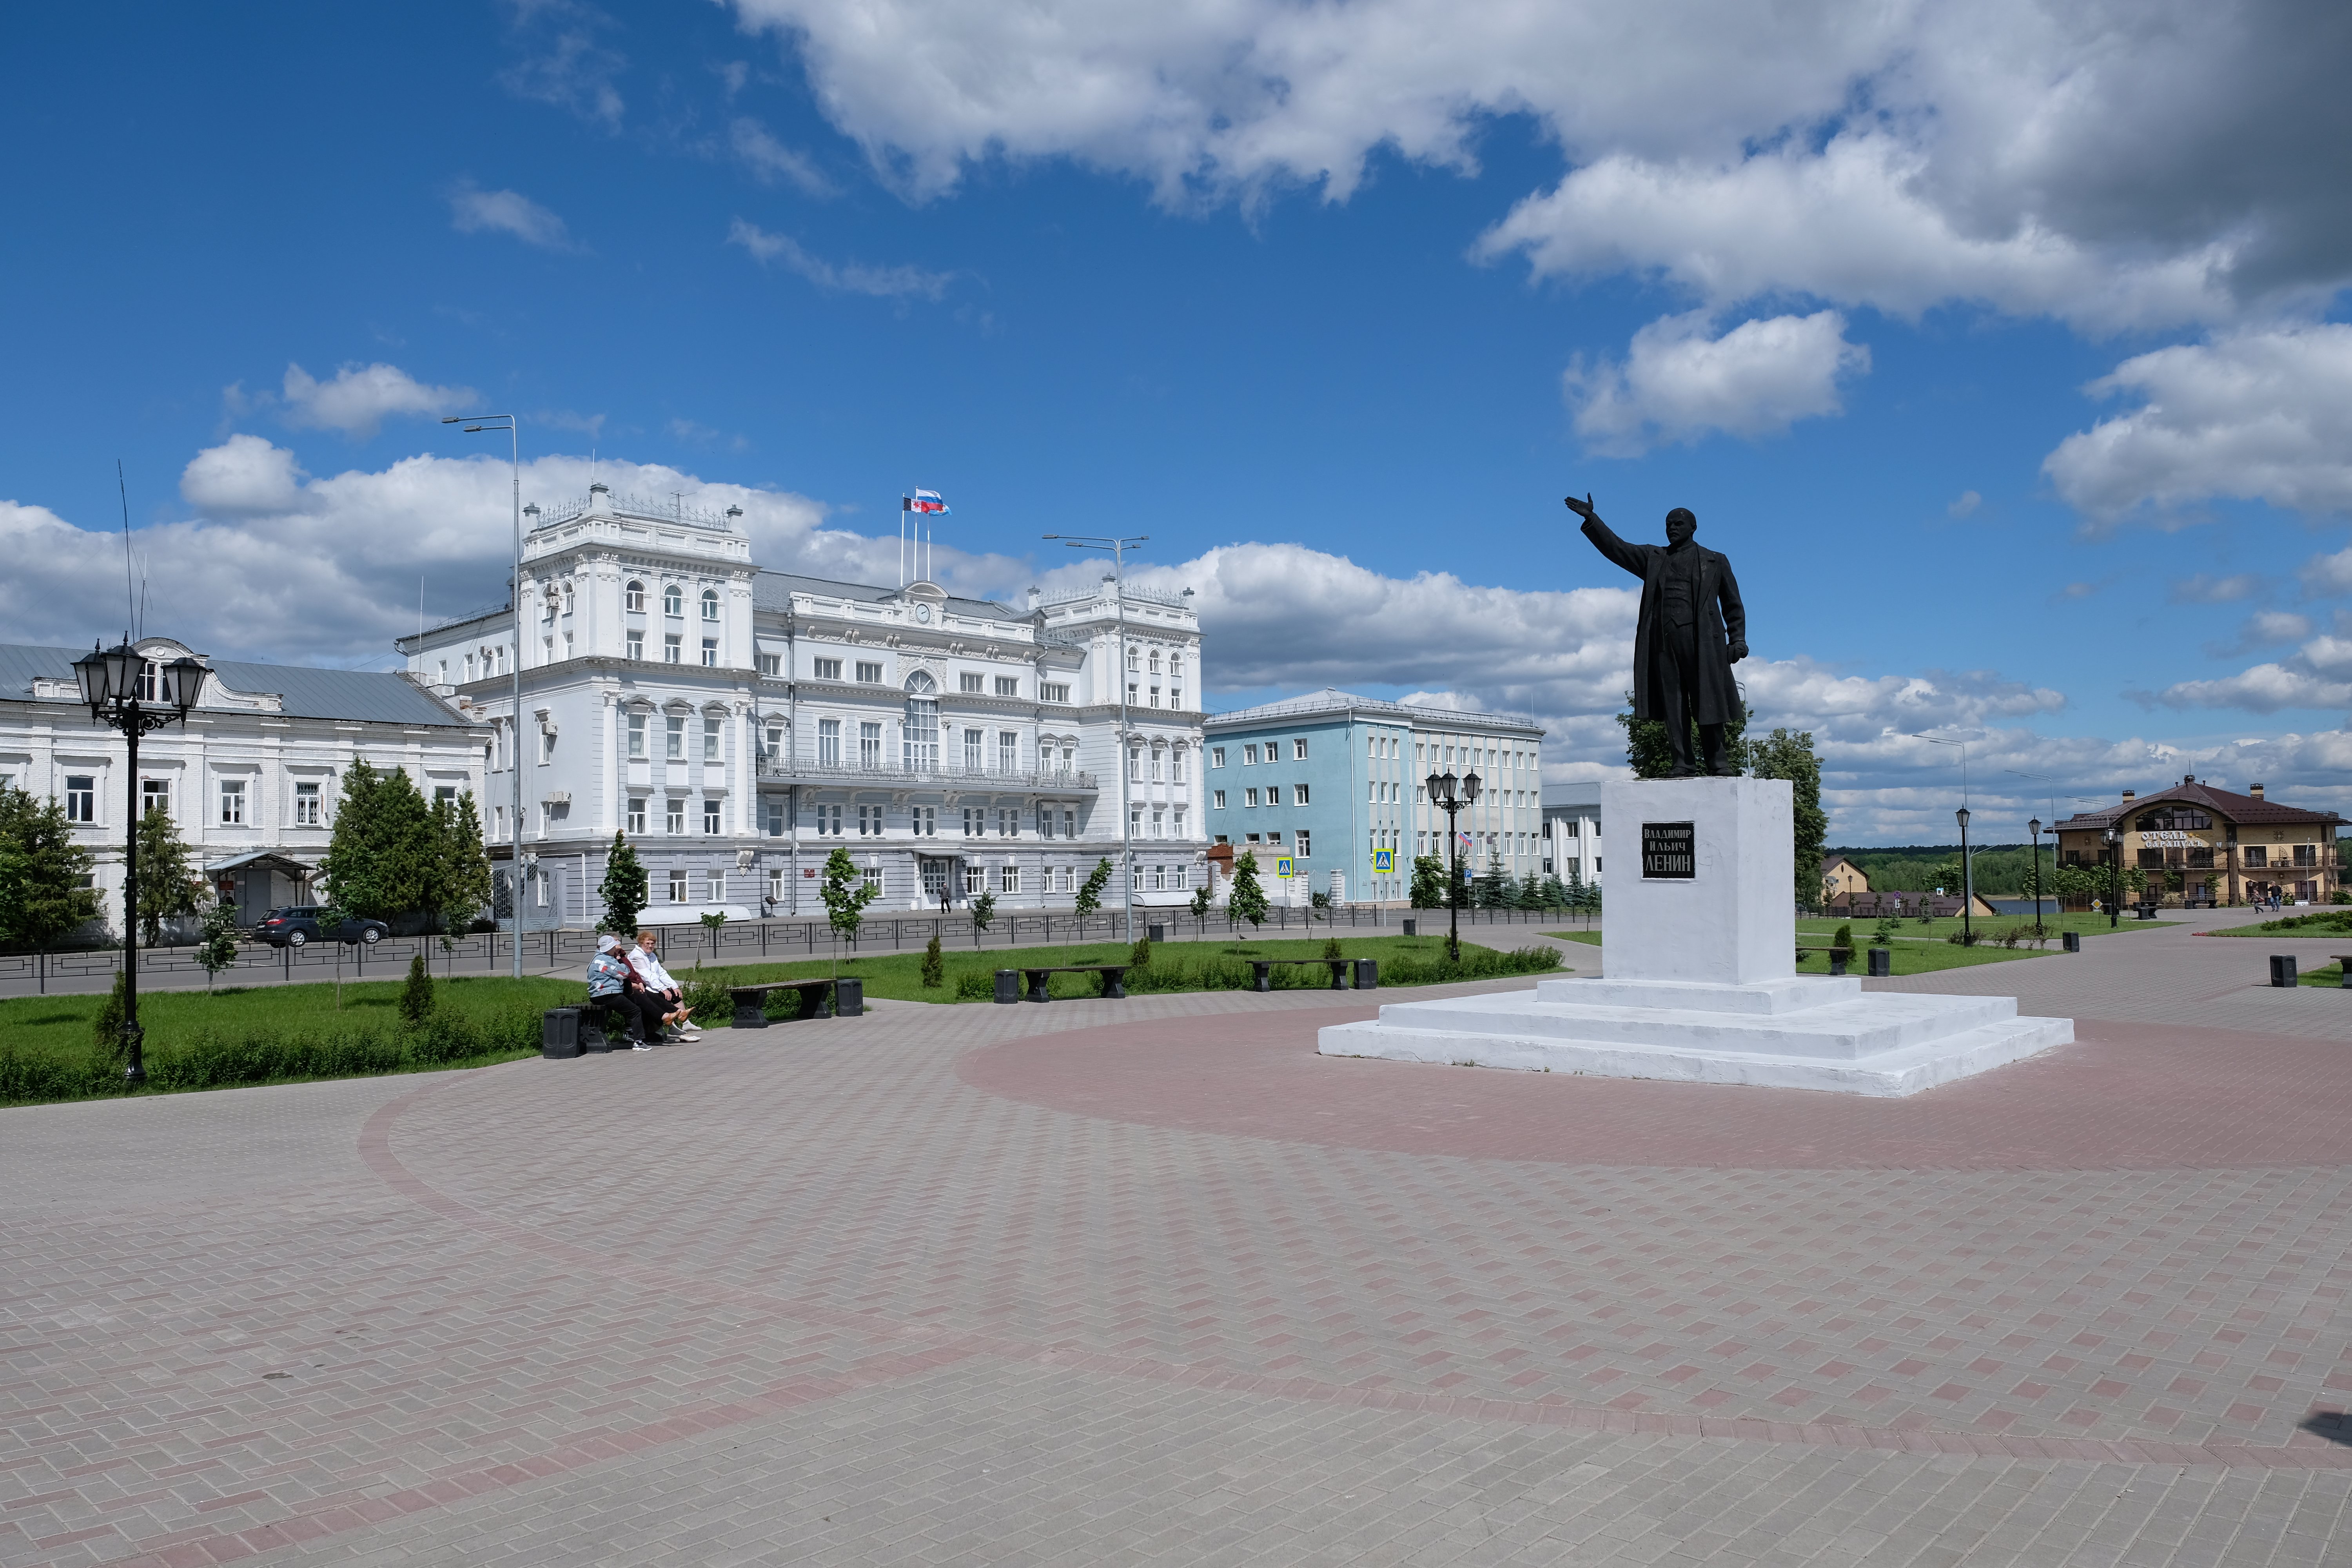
{"x": 1443, "y": 793}
{"x": 123, "y": 696}
{"x": 2116, "y": 875}
{"x": 513, "y": 428}
{"x": 2033, "y": 826}
{"x": 1118, "y": 580}
{"x": 1967, "y": 882}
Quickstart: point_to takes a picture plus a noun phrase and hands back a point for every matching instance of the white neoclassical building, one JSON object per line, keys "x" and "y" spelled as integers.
{"x": 739, "y": 724}
{"x": 251, "y": 779}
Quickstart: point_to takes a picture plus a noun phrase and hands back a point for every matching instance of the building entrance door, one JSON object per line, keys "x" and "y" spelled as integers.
{"x": 935, "y": 882}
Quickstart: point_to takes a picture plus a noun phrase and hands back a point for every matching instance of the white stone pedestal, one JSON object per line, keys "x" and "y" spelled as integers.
{"x": 1699, "y": 959}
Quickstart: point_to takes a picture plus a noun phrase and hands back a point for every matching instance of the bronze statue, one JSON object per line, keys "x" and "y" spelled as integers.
{"x": 1691, "y": 630}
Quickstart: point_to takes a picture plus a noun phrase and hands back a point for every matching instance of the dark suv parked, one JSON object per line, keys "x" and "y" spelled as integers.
{"x": 298, "y": 924}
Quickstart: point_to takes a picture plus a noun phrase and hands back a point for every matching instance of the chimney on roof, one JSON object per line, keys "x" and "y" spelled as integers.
{"x": 2131, "y": 794}
{"x": 2189, "y": 778}
{"x": 2254, "y": 790}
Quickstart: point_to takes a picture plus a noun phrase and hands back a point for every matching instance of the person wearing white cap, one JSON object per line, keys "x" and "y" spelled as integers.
{"x": 661, "y": 984}
{"x": 612, "y": 982}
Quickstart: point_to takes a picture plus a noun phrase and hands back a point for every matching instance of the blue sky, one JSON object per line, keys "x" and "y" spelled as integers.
{"x": 2020, "y": 406}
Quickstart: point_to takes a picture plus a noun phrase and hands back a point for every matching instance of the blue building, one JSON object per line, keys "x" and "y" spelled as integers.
{"x": 1329, "y": 785}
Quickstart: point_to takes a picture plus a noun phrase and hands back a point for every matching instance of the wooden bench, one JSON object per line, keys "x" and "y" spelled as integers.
{"x": 751, "y": 1000}
{"x": 1114, "y": 979}
{"x": 1838, "y": 956}
{"x": 1265, "y": 969}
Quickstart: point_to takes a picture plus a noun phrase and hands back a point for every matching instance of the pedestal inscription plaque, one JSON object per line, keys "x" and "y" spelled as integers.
{"x": 1669, "y": 851}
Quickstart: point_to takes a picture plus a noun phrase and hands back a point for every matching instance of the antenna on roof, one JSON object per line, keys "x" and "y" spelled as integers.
{"x": 131, "y": 603}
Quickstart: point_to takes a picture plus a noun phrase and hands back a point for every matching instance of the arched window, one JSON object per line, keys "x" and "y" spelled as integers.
{"x": 635, "y": 596}
{"x": 1158, "y": 764}
{"x": 920, "y": 733}
{"x": 710, "y": 603}
{"x": 673, "y": 602}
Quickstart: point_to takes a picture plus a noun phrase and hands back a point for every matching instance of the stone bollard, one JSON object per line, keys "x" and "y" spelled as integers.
{"x": 1008, "y": 986}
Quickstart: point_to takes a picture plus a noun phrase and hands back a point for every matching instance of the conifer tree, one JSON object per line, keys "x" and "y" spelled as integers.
{"x": 624, "y": 889}
{"x": 44, "y": 874}
{"x": 167, "y": 888}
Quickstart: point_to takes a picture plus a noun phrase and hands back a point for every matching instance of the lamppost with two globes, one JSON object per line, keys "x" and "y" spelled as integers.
{"x": 124, "y": 695}
{"x": 1450, "y": 795}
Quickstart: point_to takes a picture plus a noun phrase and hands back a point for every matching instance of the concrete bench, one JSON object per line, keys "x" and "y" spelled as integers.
{"x": 2343, "y": 969}
{"x": 1114, "y": 978}
{"x": 751, "y": 1000}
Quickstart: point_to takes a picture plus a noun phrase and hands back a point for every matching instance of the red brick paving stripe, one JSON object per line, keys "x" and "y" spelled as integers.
{"x": 2124, "y": 1096}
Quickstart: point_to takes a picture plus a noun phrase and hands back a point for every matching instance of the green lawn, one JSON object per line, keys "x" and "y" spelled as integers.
{"x": 1916, "y": 949}
{"x": 276, "y": 1034}
{"x": 2331, "y": 975}
{"x": 1176, "y": 966}
{"x": 268, "y": 1034}
{"x": 2323, "y": 923}
{"x": 1936, "y": 930}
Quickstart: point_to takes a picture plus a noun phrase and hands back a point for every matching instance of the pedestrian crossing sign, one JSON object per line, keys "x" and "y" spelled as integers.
{"x": 1383, "y": 862}
{"x": 1284, "y": 866}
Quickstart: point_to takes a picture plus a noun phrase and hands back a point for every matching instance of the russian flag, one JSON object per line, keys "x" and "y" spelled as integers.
{"x": 924, "y": 500}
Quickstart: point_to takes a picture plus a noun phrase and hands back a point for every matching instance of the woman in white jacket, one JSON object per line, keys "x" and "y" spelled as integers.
{"x": 661, "y": 984}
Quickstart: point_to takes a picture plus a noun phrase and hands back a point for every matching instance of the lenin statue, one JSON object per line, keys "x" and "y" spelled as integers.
{"x": 1691, "y": 630}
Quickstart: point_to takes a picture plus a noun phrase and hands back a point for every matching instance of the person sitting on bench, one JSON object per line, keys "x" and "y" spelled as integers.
{"x": 613, "y": 984}
{"x": 662, "y": 985}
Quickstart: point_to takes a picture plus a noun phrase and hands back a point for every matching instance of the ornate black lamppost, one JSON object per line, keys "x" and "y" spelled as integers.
{"x": 123, "y": 694}
{"x": 2033, "y": 826}
{"x": 2114, "y": 874}
{"x": 1968, "y": 882}
{"x": 1442, "y": 795}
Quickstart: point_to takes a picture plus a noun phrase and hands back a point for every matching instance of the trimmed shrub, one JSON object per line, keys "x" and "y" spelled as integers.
{"x": 934, "y": 965}
{"x": 416, "y": 996}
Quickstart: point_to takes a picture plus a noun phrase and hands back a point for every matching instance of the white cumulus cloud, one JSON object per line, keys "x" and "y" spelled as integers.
{"x": 1678, "y": 383}
{"x": 2111, "y": 163}
{"x": 2260, "y": 414}
{"x": 473, "y": 210}
{"x": 361, "y": 397}
{"x": 245, "y": 476}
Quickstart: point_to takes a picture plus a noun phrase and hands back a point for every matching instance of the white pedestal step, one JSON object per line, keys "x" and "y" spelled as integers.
{"x": 1767, "y": 1033}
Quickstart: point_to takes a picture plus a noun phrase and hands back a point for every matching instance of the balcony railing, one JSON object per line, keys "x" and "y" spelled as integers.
{"x": 1050, "y": 781}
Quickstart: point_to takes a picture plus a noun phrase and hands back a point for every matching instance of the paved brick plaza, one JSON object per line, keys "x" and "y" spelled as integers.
{"x": 1103, "y": 1282}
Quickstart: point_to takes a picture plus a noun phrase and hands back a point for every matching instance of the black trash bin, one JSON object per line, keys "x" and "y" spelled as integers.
{"x": 1008, "y": 986}
{"x": 1367, "y": 974}
{"x": 1882, "y": 962}
{"x": 559, "y": 1033}
{"x": 1412, "y": 928}
{"x": 849, "y": 998}
{"x": 1157, "y": 933}
{"x": 2071, "y": 940}
{"x": 2283, "y": 970}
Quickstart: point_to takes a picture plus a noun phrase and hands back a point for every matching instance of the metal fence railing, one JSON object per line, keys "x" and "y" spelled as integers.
{"x": 736, "y": 942}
